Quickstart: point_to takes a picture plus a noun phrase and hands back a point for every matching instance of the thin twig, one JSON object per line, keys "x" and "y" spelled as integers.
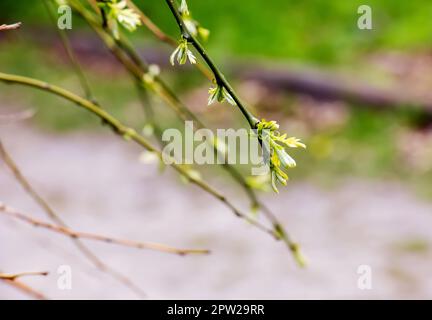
{"x": 14, "y": 276}
{"x": 96, "y": 261}
{"x": 219, "y": 77}
{"x": 12, "y": 280}
{"x": 138, "y": 67}
{"x": 11, "y": 212}
{"x": 55, "y": 217}
{"x": 130, "y": 134}
{"x": 71, "y": 54}
{"x": 25, "y": 289}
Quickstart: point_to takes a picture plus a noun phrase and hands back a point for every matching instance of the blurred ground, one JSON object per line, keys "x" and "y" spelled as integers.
{"x": 98, "y": 185}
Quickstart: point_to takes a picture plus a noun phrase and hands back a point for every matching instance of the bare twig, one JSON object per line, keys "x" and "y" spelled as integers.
{"x": 14, "y": 276}
{"x": 126, "y": 55}
{"x": 11, "y": 212}
{"x": 97, "y": 262}
{"x": 25, "y": 289}
{"x": 71, "y": 54}
{"x": 12, "y": 280}
{"x": 130, "y": 134}
{"x": 138, "y": 67}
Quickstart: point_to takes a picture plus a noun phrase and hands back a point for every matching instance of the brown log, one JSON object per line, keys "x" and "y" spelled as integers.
{"x": 328, "y": 86}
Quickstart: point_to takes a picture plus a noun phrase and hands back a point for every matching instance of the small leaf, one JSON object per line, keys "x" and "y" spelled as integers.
{"x": 184, "y": 10}
{"x": 220, "y": 94}
{"x": 182, "y": 54}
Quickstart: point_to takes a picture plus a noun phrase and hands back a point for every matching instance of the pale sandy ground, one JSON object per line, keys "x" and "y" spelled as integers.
{"x": 98, "y": 185}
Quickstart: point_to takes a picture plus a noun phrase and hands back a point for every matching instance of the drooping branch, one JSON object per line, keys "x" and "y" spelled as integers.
{"x": 11, "y": 212}
{"x": 278, "y": 159}
{"x": 161, "y": 89}
{"x": 130, "y": 134}
{"x": 123, "y": 53}
{"x": 138, "y": 68}
{"x": 97, "y": 262}
{"x": 219, "y": 77}
{"x": 162, "y": 36}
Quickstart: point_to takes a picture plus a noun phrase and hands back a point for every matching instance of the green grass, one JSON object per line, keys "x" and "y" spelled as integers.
{"x": 319, "y": 31}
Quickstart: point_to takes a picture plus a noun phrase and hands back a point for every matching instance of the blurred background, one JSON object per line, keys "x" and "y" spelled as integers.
{"x": 361, "y": 194}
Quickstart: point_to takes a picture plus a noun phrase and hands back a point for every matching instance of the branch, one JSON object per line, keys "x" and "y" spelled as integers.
{"x": 97, "y": 262}
{"x": 219, "y": 77}
{"x": 14, "y": 276}
{"x": 162, "y": 90}
{"x": 130, "y": 134}
{"x": 12, "y": 280}
{"x": 91, "y": 236}
{"x": 138, "y": 68}
{"x": 70, "y": 53}
{"x": 25, "y": 289}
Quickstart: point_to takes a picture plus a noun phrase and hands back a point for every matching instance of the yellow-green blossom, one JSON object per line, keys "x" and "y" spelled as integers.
{"x": 192, "y": 25}
{"x": 184, "y": 10}
{"x": 274, "y": 145}
{"x": 220, "y": 94}
{"x": 182, "y": 54}
{"x": 118, "y": 12}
